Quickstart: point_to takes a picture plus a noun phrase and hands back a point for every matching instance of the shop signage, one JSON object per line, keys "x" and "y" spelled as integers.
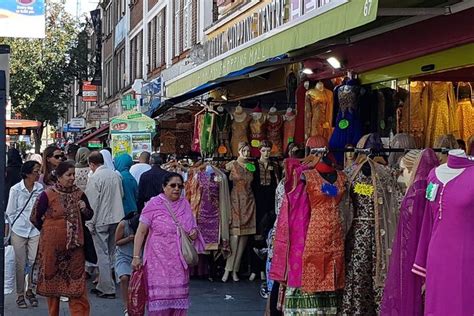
{"x": 128, "y": 102}
{"x": 22, "y": 18}
{"x": 89, "y": 92}
{"x": 133, "y": 144}
{"x": 151, "y": 96}
{"x": 95, "y": 144}
{"x": 100, "y": 114}
{"x": 77, "y": 122}
{"x": 68, "y": 129}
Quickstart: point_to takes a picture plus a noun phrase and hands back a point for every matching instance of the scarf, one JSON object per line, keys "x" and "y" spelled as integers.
{"x": 70, "y": 198}
{"x": 108, "y": 161}
{"x": 81, "y": 157}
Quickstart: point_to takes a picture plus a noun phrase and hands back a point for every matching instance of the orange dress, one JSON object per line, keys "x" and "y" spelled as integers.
{"x": 318, "y": 113}
{"x": 323, "y": 256}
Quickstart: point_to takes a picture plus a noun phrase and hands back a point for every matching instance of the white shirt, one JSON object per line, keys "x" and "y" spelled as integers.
{"x": 138, "y": 169}
{"x": 104, "y": 192}
{"x": 19, "y": 195}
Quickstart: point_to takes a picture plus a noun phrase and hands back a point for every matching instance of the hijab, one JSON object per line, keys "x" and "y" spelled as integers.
{"x": 81, "y": 157}
{"x": 108, "y": 161}
{"x": 36, "y": 157}
{"x": 129, "y": 184}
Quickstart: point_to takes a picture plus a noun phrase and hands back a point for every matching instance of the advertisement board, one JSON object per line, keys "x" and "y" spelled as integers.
{"x": 77, "y": 122}
{"x": 130, "y": 143}
{"x": 22, "y": 18}
{"x": 89, "y": 92}
{"x": 99, "y": 114}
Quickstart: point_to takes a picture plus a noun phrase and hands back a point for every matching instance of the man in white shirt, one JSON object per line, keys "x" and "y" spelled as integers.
{"x": 104, "y": 191}
{"x": 142, "y": 166}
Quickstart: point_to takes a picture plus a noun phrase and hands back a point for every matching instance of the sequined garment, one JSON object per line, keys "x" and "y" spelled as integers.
{"x": 208, "y": 217}
{"x": 465, "y": 113}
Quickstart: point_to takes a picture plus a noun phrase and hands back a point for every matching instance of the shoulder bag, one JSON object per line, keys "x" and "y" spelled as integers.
{"x": 187, "y": 248}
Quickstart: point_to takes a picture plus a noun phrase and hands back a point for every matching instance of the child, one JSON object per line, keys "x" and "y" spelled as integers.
{"x": 124, "y": 237}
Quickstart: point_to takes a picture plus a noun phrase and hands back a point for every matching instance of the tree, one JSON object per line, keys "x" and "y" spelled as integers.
{"x": 43, "y": 69}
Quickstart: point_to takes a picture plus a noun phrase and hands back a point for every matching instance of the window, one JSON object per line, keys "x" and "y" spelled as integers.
{"x": 136, "y": 57}
{"x": 184, "y": 25}
{"x": 177, "y": 28}
{"x": 156, "y": 42}
{"x": 108, "y": 79}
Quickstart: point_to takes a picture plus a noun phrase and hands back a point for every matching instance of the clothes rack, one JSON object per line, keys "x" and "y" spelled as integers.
{"x": 369, "y": 151}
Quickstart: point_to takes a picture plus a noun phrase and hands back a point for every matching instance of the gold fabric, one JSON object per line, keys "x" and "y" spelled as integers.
{"x": 318, "y": 113}
{"x": 415, "y": 112}
{"x": 465, "y": 117}
{"x": 243, "y": 221}
{"x": 239, "y": 134}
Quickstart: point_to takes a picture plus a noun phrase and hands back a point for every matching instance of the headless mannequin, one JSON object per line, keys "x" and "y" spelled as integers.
{"x": 445, "y": 173}
{"x": 237, "y": 243}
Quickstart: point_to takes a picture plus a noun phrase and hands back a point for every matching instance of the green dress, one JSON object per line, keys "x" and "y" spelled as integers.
{"x": 207, "y": 139}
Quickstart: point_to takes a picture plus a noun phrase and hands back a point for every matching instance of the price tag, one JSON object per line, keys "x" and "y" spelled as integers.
{"x": 431, "y": 191}
{"x": 364, "y": 189}
{"x": 343, "y": 124}
{"x": 255, "y": 143}
{"x": 250, "y": 167}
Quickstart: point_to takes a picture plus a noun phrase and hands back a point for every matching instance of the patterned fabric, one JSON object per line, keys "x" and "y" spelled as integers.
{"x": 82, "y": 176}
{"x": 223, "y": 130}
{"x": 208, "y": 218}
{"x": 242, "y": 200}
{"x": 239, "y": 134}
{"x": 323, "y": 257}
{"x": 274, "y": 130}
{"x": 258, "y": 130}
{"x": 298, "y": 303}
{"x": 318, "y": 113}
{"x": 465, "y": 117}
{"x": 288, "y": 132}
{"x": 207, "y": 140}
{"x": 198, "y": 120}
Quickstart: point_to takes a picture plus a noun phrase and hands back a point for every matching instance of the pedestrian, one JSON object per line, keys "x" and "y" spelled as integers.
{"x": 36, "y": 157}
{"x": 124, "y": 237}
{"x": 71, "y": 153}
{"x": 104, "y": 191}
{"x": 108, "y": 161}
{"x": 151, "y": 182}
{"x": 165, "y": 268}
{"x": 24, "y": 236}
{"x": 82, "y": 168}
{"x": 13, "y": 170}
{"x": 52, "y": 157}
{"x": 142, "y": 166}
{"x": 129, "y": 184}
{"x": 59, "y": 214}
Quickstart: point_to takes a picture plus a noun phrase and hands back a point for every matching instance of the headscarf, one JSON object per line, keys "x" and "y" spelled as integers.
{"x": 108, "y": 161}
{"x": 36, "y": 157}
{"x": 81, "y": 157}
{"x": 129, "y": 184}
{"x": 401, "y": 140}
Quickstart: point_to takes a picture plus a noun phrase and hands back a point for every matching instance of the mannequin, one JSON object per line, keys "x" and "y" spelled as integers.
{"x": 445, "y": 141}
{"x": 274, "y": 129}
{"x": 445, "y": 173}
{"x": 240, "y": 126}
{"x": 289, "y": 126}
{"x": 265, "y": 181}
{"x": 406, "y": 165}
{"x": 257, "y": 131}
{"x": 318, "y": 111}
{"x": 223, "y": 121}
{"x": 243, "y": 209}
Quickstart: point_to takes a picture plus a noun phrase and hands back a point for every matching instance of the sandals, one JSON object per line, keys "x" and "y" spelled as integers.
{"x": 31, "y": 297}
{"x": 20, "y": 302}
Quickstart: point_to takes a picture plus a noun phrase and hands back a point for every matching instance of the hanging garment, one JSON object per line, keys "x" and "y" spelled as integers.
{"x": 239, "y": 134}
{"x": 318, "y": 113}
{"x": 198, "y": 122}
{"x": 207, "y": 144}
{"x": 442, "y": 105}
{"x": 300, "y": 102}
{"x": 465, "y": 111}
{"x": 403, "y": 289}
{"x": 208, "y": 217}
{"x": 242, "y": 201}
{"x": 288, "y": 131}
{"x": 415, "y": 112}
{"x": 223, "y": 121}
{"x": 274, "y": 134}
{"x": 258, "y": 130}
{"x": 323, "y": 256}
{"x": 445, "y": 254}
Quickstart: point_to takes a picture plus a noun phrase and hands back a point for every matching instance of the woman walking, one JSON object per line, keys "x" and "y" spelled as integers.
{"x": 52, "y": 156}
{"x": 59, "y": 214}
{"x": 165, "y": 268}
{"x": 25, "y": 236}
{"x": 129, "y": 184}
{"x": 82, "y": 168}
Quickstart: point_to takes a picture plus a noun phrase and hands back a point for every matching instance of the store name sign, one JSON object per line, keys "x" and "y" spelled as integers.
{"x": 271, "y": 16}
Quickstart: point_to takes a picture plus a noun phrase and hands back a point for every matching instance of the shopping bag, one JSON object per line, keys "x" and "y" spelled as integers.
{"x": 137, "y": 293}
{"x": 9, "y": 284}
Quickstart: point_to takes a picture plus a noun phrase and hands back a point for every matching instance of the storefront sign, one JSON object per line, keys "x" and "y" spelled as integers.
{"x": 89, "y": 92}
{"x": 68, "y": 129}
{"x": 22, "y": 18}
{"x": 95, "y": 144}
{"x": 101, "y": 114}
{"x": 77, "y": 122}
{"x": 128, "y": 102}
{"x": 224, "y": 7}
{"x": 133, "y": 144}
{"x": 151, "y": 96}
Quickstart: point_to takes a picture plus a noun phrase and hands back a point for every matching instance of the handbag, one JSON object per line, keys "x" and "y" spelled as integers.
{"x": 187, "y": 248}
{"x": 89, "y": 249}
{"x": 137, "y": 293}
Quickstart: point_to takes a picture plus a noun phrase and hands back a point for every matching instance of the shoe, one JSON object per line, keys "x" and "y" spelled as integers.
{"x": 95, "y": 291}
{"x": 20, "y": 302}
{"x": 64, "y": 299}
{"x": 31, "y": 297}
{"x": 109, "y": 296}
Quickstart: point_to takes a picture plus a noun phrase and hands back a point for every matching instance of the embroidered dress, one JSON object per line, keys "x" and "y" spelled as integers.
{"x": 242, "y": 200}
{"x": 274, "y": 130}
{"x": 223, "y": 122}
{"x": 258, "y": 130}
{"x": 239, "y": 134}
{"x": 208, "y": 217}
{"x": 298, "y": 303}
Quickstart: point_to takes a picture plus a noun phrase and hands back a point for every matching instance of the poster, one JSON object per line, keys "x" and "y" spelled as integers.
{"x": 22, "y": 18}
{"x": 131, "y": 143}
{"x": 121, "y": 144}
{"x": 140, "y": 143}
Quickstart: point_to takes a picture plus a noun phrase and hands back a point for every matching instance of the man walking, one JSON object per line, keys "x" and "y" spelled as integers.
{"x": 151, "y": 182}
{"x": 141, "y": 167}
{"x": 104, "y": 191}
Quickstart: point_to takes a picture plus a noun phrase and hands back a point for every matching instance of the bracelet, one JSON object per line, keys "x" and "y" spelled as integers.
{"x": 137, "y": 257}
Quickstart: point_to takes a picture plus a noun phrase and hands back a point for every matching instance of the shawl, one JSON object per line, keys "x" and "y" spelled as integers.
{"x": 69, "y": 198}
{"x": 386, "y": 196}
{"x": 129, "y": 184}
{"x": 225, "y": 211}
{"x": 81, "y": 157}
{"x": 108, "y": 161}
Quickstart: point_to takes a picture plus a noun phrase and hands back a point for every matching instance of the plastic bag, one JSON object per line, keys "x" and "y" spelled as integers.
{"x": 137, "y": 293}
{"x": 9, "y": 284}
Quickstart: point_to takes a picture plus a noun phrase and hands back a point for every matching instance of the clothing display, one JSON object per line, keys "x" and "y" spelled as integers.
{"x": 465, "y": 110}
{"x": 300, "y": 108}
{"x": 258, "y": 130}
{"x": 318, "y": 112}
{"x": 289, "y": 127}
{"x": 223, "y": 126}
{"x": 240, "y": 127}
{"x": 274, "y": 134}
{"x": 206, "y": 143}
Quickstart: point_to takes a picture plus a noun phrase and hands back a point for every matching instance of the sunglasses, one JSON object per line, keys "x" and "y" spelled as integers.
{"x": 58, "y": 156}
{"x": 174, "y": 185}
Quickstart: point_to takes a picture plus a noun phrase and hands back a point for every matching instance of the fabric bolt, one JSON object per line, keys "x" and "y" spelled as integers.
{"x": 239, "y": 134}
{"x": 274, "y": 132}
{"x": 123, "y": 163}
{"x": 323, "y": 256}
{"x": 243, "y": 221}
{"x": 318, "y": 113}
{"x": 208, "y": 218}
{"x": 59, "y": 262}
{"x": 289, "y": 127}
{"x": 403, "y": 289}
{"x": 445, "y": 252}
{"x": 258, "y": 132}
{"x": 166, "y": 270}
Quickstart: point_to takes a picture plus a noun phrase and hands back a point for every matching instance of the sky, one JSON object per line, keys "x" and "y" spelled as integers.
{"x": 86, "y": 6}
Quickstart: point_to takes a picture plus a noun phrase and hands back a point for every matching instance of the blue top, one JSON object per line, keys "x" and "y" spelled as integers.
{"x": 129, "y": 184}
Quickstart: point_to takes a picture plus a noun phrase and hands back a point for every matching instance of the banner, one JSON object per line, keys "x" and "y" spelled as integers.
{"x": 22, "y": 18}
{"x": 89, "y": 92}
{"x": 133, "y": 144}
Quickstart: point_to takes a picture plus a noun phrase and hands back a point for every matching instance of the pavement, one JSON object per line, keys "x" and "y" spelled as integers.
{"x": 207, "y": 299}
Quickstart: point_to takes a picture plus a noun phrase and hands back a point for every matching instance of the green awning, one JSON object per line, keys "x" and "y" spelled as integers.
{"x": 348, "y": 16}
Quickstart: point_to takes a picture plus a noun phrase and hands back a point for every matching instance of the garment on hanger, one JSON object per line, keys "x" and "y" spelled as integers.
{"x": 318, "y": 113}
{"x": 207, "y": 141}
{"x": 299, "y": 121}
{"x": 198, "y": 122}
{"x": 223, "y": 125}
{"x": 289, "y": 128}
{"x": 239, "y": 133}
{"x": 442, "y": 105}
{"x": 258, "y": 130}
{"x": 445, "y": 253}
{"x": 465, "y": 111}
{"x": 403, "y": 289}
{"x": 243, "y": 220}
{"x": 274, "y": 131}
{"x": 414, "y": 115}
{"x": 208, "y": 216}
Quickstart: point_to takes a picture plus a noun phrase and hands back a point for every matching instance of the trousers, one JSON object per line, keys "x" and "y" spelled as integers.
{"x": 77, "y": 306}
{"x": 25, "y": 254}
{"x": 104, "y": 242}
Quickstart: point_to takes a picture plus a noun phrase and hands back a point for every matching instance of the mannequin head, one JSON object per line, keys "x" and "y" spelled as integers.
{"x": 306, "y": 84}
{"x": 320, "y": 86}
{"x": 349, "y": 156}
{"x": 220, "y": 109}
{"x": 272, "y": 111}
{"x": 265, "y": 150}
{"x": 244, "y": 150}
{"x": 407, "y": 164}
{"x": 257, "y": 113}
{"x": 238, "y": 110}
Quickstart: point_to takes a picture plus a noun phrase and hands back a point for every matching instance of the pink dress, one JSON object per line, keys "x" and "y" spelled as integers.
{"x": 166, "y": 270}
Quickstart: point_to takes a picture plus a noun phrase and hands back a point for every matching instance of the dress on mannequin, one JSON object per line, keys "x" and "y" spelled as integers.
{"x": 445, "y": 251}
{"x": 318, "y": 112}
{"x": 288, "y": 128}
{"x": 258, "y": 131}
{"x": 274, "y": 129}
{"x": 465, "y": 110}
{"x": 415, "y": 112}
{"x": 240, "y": 127}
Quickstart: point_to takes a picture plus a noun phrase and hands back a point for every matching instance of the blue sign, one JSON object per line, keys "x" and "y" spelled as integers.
{"x": 68, "y": 129}
{"x": 151, "y": 96}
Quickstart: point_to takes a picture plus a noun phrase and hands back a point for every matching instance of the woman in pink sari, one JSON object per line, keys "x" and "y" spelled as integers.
{"x": 166, "y": 271}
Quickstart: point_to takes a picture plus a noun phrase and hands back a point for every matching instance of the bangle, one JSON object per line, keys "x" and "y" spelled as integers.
{"x": 137, "y": 257}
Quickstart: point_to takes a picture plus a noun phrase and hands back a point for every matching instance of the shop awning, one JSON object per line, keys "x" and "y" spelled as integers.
{"x": 23, "y": 124}
{"x": 100, "y": 132}
{"x": 277, "y": 42}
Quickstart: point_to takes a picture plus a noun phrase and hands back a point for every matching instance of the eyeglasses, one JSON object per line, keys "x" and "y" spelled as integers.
{"x": 178, "y": 185}
{"x": 58, "y": 156}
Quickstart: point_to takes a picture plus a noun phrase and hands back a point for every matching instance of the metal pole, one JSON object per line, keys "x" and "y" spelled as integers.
{"x": 3, "y": 104}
